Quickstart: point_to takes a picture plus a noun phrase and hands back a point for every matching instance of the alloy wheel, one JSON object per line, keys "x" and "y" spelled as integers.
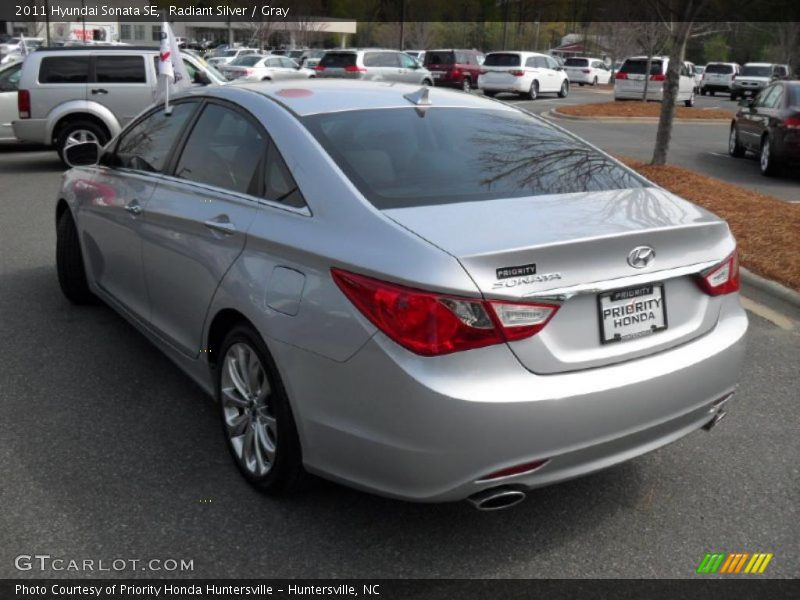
{"x": 80, "y": 136}
{"x": 246, "y": 397}
{"x": 765, "y": 156}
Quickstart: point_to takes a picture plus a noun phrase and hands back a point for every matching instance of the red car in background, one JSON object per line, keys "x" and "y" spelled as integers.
{"x": 454, "y": 68}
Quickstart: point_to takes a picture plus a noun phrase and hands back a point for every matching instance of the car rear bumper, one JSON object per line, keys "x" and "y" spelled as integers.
{"x": 520, "y": 85}
{"x": 580, "y": 77}
{"x": 429, "y": 429}
{"x": 716, "y": 87}
{"x": 31, "y": 130}
{"x": 653, "y": 93}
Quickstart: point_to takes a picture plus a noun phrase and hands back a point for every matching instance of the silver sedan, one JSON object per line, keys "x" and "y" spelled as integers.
{"x": 265, "y": 68}
{"x": 418, "y": 292}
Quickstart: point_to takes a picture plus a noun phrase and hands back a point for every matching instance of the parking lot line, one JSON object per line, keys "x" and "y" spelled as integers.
{"x": 767, "y": 313}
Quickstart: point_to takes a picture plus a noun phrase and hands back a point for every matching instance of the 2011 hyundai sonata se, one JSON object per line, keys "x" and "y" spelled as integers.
{"x": 421, "y": 293}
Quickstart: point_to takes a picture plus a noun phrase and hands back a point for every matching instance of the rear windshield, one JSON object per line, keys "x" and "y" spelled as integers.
{"x": 757, "y": 71}
{"x": 338, "y": 60}
{"x": 247, "y": 61}
{"x": 501, "y": 60}
{"x": 64, "y": 69}
{"x": 794, "y": 95}
{"x": 226, "y": 53}
{"x": 638, "y": 67}
{"x": 720, "y": 69}
{"x": 406, "y": 157}
{"x": 439, "y": 57}
{"x": 576, "y": 62}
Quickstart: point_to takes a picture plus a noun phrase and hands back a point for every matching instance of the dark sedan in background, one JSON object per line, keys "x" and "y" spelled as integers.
{"x": 769, "y": 125}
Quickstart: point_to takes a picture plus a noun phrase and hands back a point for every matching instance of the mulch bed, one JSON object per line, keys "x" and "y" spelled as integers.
{"x": 634, "y": 108}
{"x": 767, "y": 229}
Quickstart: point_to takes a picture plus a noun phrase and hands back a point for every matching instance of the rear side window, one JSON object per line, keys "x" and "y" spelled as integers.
{"x": 119, "y": 69}
{"x": 147, "y": 145}
{"x": 438, "y": 57}
{"x": 225, "y": 150}
{"x": 502, "y": 60}
{"x": 9, "y": 79}
{"x": 401, "y": 157}
{"x": 338, "y": 60}
{"x": 576, "y": 62}
{"x": 794, "y": 95}
{"x": 279, "y": 185}
{"x": 639, "y": 66}
{"x": 64, "y": 69}
{"x": 720, "y": 69}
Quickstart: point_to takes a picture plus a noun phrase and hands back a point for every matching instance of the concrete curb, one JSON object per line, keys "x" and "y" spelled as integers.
{"x": 770, "y": 287}
{"x": 559, "y": 115}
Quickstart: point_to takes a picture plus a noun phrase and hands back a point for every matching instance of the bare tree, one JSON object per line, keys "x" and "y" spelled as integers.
{"x": 651, "y": 36}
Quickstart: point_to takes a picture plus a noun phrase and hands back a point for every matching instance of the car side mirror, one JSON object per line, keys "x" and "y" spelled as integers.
{"x": 84, "y": 154}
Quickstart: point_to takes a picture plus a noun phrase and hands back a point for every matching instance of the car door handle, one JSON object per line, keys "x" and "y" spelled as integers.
{"x": 222, "y": 224}
{"x": 99, "y": 91}
{"x": 134, "y": 208}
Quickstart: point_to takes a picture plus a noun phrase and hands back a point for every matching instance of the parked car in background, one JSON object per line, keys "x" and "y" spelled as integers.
{"x": 264, "y": 68}
{"x": 9, "y": 84}
{"x": 769, "y": 126}
{"x": 374, "y": 64}
{"x": 225, "y": 57}
{"x": 629, "y": 82}
{"x": 311, "y": 58}
{"x": 754, "y": 77}
{"x": 418, "y": 55}
{"x": 587, "y": 70}
{"x": 14, "y": 44}
{"x": 454, "y": 68}
{"x": 554, "y": 327}
{"x": 719, "y": 77}
{"x": 70, "y": 95}
{"x": 524, "y": 73}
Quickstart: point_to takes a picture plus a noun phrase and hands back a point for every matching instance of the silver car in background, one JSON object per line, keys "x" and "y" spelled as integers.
{"x": 374, "y": 64}
{"x": 456, "y": 299}
{"x": 264, "y": 68}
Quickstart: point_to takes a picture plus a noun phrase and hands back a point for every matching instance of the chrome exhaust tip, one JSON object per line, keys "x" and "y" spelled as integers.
{"x": 717, "y": 418}
{"x": 497, "y": 498}
{"x": 719, "y": 412}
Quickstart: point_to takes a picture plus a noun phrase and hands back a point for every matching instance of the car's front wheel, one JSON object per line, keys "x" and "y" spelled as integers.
{"x": 78, "y": 132}
{"x": 69, "y": 262}
{"x": 256, "y": 416}
{"x": 427, "y": 83}
{"x": 466, "y": 85}
{"x": 767, "y": 161}
{"x": 564, "y": 91}
{"x": 735, "y": 148}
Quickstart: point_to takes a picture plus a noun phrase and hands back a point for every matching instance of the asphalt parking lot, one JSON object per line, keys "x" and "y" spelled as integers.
{"x": 107, "y": 450}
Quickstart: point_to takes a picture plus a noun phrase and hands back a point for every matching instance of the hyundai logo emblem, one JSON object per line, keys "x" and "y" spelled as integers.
{"x": 641, "y": 256}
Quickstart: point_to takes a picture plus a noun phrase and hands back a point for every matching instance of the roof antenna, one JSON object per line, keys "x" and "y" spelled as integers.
{"x": 420, "y": 97}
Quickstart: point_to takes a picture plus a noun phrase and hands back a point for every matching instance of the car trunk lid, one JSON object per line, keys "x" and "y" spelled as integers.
{"x": 536, "y": 247}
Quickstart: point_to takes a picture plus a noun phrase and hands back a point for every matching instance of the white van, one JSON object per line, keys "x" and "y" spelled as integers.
{"x": 629, "y": 81}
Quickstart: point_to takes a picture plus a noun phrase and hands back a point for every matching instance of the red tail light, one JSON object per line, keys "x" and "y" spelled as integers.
{"x": 586, "y": 71}
{"x": 621, "y": 75}
{"x": 658, "y": 77}
{"x": 792, "y": 122}
{"x": 455, "y": 73}
{"x": 517, "y": 73}
{"x": 355, "y": 69}
{"x": 319, "y": 68}
{"x": 248, "y": 72}
{"x": 24, "y": 104}
{"x": 432, "y": 324}
{"x": 722, "y": 278}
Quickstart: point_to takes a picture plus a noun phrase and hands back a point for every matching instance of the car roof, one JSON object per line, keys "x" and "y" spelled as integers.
{"x": 94, "y": 47}
{"x": 761, "y": 64}
{"x": 316, "y": 96}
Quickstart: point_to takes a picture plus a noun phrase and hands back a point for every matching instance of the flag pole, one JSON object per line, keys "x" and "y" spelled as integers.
{"x": 167, "y": 108}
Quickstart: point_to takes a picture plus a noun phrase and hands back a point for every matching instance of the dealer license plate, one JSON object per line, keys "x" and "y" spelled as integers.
{"x": 632, "y": 312}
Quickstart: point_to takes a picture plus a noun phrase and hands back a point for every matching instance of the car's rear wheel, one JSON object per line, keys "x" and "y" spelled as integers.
{"x": 466, "y": 84}
{"x": 489, "y": 94}
{"x": 580, "y": 83}
{"x": 594, "y": 81}
{"x": 734, "y": 97}
{"x": 766, "y": 158}
{"x": 690, "y": 102}
{"x": 564, "y": 91}
{"x": 78, "y": 132}
{"x": 712, "y": 92}
{"x": 427, "y": 83}
{"x": 69, "y": 262}
{"x": 533, "y": 92}
{"x": 702, "y": 92}
{"x": 256, "y": 416}
{"x": 735, "y": 148}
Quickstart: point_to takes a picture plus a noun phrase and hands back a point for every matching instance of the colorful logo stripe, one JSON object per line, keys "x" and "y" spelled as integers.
{"x": 734, "y": 562}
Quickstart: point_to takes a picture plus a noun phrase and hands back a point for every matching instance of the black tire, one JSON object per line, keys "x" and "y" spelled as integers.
{"x": 266, "y": 79}
{"x": 564, "y": 91}
{"x": 286, "y": 473}
{"x": 702, "y": 92}
{"x": 466, "y": 85}
{"x": 533, "y": 92}
{"x": 712, "y": 92}
{"x": 768, "y": 164}
{"x": 594, "y": 82}
{"x": 427, "y": 83}
{"x": 734, "y": 97}
{"x": 489, "y": 94}
{"x": 690, "y": 102}
{"x": 580, "y": 83}
{"x": 69, "y": 262}
{"x": 72, "y": 127}
{"x": 735, "y": 147}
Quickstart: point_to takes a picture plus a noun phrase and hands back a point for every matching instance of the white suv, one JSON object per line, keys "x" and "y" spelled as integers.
{"x": 525, "y": 73}
{"x": 719, "y": 77}
{"x": 629, "y": 82}
{"x": 587, "y": 70}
